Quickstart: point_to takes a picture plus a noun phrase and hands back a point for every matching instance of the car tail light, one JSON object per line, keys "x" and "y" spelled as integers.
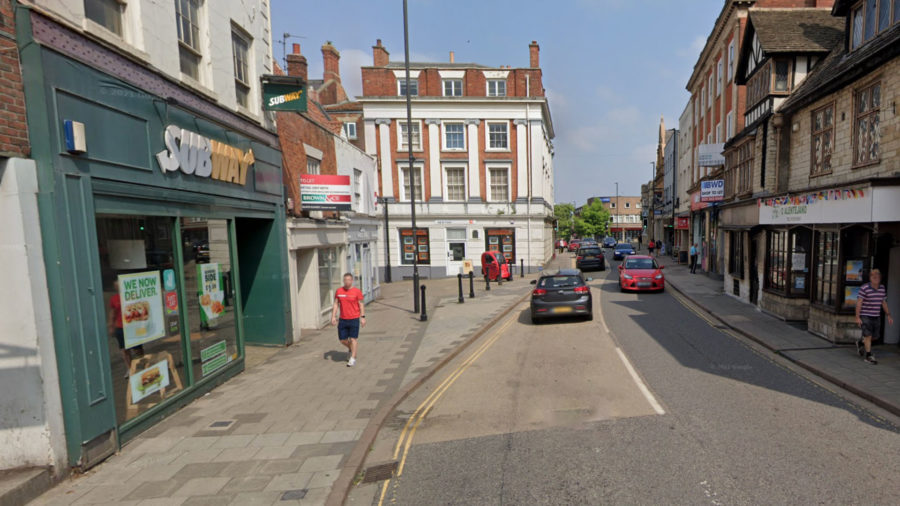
{"x": 582, "y": 289}
{"x": 579, "y": 257}
{"x": 539, "y": 291}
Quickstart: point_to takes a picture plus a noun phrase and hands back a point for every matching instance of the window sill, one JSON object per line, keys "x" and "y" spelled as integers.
{"x": 490, "y": 150}
{"x": 197, "y": 86}
{"x": 819, "y": 174}
{"x": 117, "y": 41}
{"x": 864, "y": 165}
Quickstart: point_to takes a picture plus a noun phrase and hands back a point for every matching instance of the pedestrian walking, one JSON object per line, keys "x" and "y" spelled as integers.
{"x": 650, "y": 246}
{"x": 640, "y": 240}
{"x": 348, "y": 301}
{"x": 694, "y": 258}
{"x": 872, "y": 298}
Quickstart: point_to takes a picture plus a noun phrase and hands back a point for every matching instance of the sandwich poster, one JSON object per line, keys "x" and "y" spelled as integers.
{"x": 211, "y": 294}
{"x": 149, "y": 381}
{"x": 143, "y": 318}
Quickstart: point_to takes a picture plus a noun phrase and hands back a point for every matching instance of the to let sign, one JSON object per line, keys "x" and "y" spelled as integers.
{"x": 322, "y": 192}
{"x": 712, "y": 191}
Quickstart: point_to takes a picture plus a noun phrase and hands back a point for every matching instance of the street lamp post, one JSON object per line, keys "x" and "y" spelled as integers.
{"x": 387, "y": 242}
{"x": 412, "y": 172}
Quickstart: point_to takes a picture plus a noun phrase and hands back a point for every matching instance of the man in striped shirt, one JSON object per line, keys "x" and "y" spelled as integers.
{"x": 871, "y": 300}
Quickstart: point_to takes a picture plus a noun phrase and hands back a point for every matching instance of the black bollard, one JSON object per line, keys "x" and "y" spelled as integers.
{"x": 471, "y": 284}
{"x": 415, "y": 293}
{"x": 487, "y": 282}
{"x": 522, "y": 268}
{"x": 459, "y": 280}
{"x": 424, "y": 316}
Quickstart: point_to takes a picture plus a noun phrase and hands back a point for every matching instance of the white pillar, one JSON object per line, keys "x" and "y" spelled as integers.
{"x": 537, "y": 162}
{"x": 387, "y": 164}
{"x": 474, "y": 162}
{"x": 434, "y": 158}
{"x": 521, "y": 159}
{"x": 369, "y": 132}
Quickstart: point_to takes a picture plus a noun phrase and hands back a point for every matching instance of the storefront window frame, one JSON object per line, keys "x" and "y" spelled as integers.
{"x": 837, "y": 307}
{"x": 784, "y": 288}
{"x": 835, "y": 271}
{"x": 104, "y": 206}
{"x": 736, "y": 254}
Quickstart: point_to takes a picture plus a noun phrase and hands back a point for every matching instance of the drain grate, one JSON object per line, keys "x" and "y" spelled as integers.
{"x": 380, "y": 472}
{"x": 221, "y": 424}
{"x": 293, "y": 495}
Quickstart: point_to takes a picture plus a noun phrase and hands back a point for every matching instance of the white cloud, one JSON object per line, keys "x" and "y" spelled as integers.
{"x": 693, "y": 50}
{"x": 351, "y": 76}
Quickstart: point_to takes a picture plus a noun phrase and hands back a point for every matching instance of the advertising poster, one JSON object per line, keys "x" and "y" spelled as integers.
{"x": 143, "y": 318}
{"x": 212, "y": 296}
{"x": 851, "y": 293}
{"x": 854, "y": 270}
{"x": 149, "y": 381}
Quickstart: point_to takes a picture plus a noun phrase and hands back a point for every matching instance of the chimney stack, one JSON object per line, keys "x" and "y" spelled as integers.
{"x": 296, "y": 64}
{"x": 452, "y": 57}
{"x": 534, "y": 51}
{"x": 379, "y": 55}
{"x": 331, "y": 58}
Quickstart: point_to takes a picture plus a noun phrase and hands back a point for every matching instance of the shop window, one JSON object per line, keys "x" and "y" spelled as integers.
{"x": 867, "y": 137}
{"x": 855, "y": 245}
{"x": 736, "y": 255}
{"x": 403, "y": 131}
{"x": 209, "y": 289}
{"x": 406, "y": 175}
{"x": 502, "y": 240}
{"x": 800, "y": 246}
{"x": 141, "y": 292}
{"x": 187, "y": 20}
{"x": 415, "y": 248}
{"x": 822, "y": 139}
{"x": 455, "y": 178}
{"x": 827, "y": 271}
{"x": 106, "y": 13}
{"x": 329, "y": 276}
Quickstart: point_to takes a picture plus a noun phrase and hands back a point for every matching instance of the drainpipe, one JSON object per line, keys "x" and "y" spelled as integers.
{"x": 528, "y": 147}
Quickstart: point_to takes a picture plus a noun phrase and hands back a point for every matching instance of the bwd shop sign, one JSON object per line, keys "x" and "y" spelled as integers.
{"x": 827, "y": 206}
{"x": 194, "y": 154}
{"x": 712, "y": 190}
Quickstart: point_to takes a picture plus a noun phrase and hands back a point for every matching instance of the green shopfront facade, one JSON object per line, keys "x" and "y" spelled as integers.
{"x": 163, "y": 235}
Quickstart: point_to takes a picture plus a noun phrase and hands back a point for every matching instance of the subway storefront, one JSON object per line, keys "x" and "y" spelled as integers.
{"x": 163, "y": 226}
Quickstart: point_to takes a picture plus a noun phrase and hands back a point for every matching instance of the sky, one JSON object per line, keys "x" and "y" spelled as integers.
{"x": 611, "y": 68}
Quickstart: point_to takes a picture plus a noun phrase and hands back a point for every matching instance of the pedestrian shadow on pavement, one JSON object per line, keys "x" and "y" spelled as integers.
{"x": 336, "y": 356}
{"x": 695, "y": 344}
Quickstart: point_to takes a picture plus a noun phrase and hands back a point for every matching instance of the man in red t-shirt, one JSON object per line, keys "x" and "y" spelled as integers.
{"x": 349, "y": 301}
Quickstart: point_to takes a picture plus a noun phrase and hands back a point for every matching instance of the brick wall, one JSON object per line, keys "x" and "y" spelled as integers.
{"x": 293, "y": 131}
{"x": 842, "y": 156}
{"x": 13, "y": 125}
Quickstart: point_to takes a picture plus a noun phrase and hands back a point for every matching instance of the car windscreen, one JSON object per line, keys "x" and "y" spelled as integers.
{"x": 640, "y": 263}
{"x": 551, "y": 282}
{"x": 589, "y": 251}
{"x": 623, "y": 246}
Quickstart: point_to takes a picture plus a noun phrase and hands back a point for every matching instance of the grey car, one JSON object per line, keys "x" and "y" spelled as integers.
{"x": 564, "y": 293}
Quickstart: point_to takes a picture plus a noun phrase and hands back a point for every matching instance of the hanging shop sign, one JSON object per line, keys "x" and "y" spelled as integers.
{"x": 826, "y": 206}
{"x": 143, "y": 318}
{"x": 321, "y": 192}
{"x": 682, "y": 222}
{"x": 710, "y": 155}
{"x": 698, "y": 204}
{"x": 284, "y": 97}
{"x": 712, "y": 190}
{"x": 192, "y": 153}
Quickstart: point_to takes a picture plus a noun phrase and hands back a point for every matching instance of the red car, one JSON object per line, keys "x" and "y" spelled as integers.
{"x": 494, "y": 265}
{"x": 573, "y": 245}
{"x": 641, "y": 273}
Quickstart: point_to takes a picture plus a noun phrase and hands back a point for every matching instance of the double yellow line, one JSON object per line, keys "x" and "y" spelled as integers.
{"x": 409, "y": 430}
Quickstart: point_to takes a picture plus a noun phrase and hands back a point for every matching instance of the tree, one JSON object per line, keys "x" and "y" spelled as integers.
{"x": 564, "y": 221}
{"x": 594, "y": 220}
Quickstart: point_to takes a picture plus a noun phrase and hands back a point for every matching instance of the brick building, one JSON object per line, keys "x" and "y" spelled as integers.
{"x": 825, "y": 182}
{"x": 483, "y": 160}
{"x": 323, "y": 245}
{"x": 625, "y": 216}
{"x": 718, "y": 106}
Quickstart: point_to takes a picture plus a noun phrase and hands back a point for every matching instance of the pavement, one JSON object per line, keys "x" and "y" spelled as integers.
{"x": 839, "y": 364}
{"x": 285, "y": 430}
{"x": 652, "y": 402}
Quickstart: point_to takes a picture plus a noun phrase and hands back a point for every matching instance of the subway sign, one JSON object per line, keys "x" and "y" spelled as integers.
{"x": 284, "y": 97}
{"x": 194, "y": 154}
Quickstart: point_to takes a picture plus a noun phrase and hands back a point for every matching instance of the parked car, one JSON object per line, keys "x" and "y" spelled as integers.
{"x": 622, "y": 250}
{"x": 590, "y": 258}
{"x": 494, "y": 266}
{"x": 641, "y": 273}
{"x": 573, "y": 245}
{"x": 609, "y": 242}
{"x": 564, "y": 293}
{"x": 589, "y": 241}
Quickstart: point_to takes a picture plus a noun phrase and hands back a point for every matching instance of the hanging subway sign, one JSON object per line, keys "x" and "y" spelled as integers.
{"x": 191, "y": 153}
{"x": 284, "y": 97}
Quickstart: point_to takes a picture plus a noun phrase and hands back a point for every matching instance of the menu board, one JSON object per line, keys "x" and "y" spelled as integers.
{"x": 143, "y": 317}
{"x": 149, "y": 381}
{"x": 415, "y": 248}
{"x": 502, "y": 240}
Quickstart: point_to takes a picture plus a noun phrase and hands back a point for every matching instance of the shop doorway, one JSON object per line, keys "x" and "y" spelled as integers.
{"x": 456, "y": 250}
{"x": 262, "y": 281}
{"x": 892, "y": 332}
{"x": 754, "y": 270}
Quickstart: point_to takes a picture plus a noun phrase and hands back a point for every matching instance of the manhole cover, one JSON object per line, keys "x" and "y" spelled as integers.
{"x": 380, "y": 472}
{"x": 293, "y": 495}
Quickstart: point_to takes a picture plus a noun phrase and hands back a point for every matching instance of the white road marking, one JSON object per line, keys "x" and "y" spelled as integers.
{"x": 640, "y": 383}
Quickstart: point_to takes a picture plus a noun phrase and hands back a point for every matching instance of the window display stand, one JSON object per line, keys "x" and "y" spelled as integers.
{"x": 141, "y": 363}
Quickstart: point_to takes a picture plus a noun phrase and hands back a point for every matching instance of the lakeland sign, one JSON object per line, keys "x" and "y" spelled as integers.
{"x": 194, "y": 154}
{"x": 844, "y": 205}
